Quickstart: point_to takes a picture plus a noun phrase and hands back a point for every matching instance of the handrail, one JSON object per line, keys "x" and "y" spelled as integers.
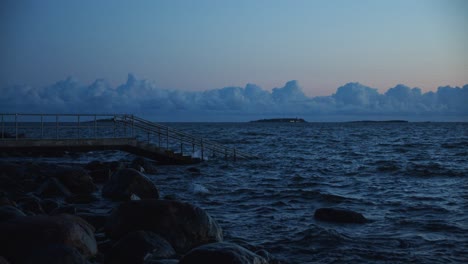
{"x": 159, "y": 129}
{"x": 123, "y": 126}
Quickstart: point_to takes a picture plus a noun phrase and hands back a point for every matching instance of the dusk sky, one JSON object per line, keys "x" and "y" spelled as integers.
{"x": 201, "y": 45}
{"x": 187, "y": 59}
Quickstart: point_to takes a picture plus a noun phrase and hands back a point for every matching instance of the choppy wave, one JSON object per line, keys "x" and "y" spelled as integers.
{"x": 410, "y": 181}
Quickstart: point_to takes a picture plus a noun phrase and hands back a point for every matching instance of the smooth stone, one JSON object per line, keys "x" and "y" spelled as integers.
{"x": 9, "y": 211}
{"x": 53, "y": 188}
{"x": 76, "y": 179}
{"x": 56, "y": 254}
{"x": 22, "y": 235}
{"x": 144, "y": 165}
{"x": 136, "y": 247}
{"x": 183, "y": 225}
{"x": 222, "y": 252}
{"x": 339, "y": 216}
{"x": 126, "y": 182}
{"x": 85, "y": 198}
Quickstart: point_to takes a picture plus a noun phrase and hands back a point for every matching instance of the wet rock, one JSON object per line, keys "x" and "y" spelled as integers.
{"x": 126, "y": 182}
{"x": 144, "y": 165}
{"x": 48, "y": 205}
{"x": 339, "y": 216}
{"x": 222, "y": 252}
{"x": 22, "y": 235}
{"x": 96, "y": 220}
{"x": 137, "y": 246}
{"x": 53, "y": 188}
{"x": 31, "y": 204}
{"x": 99, "y": 171}
{"x": 76, "y": 179}
{"x": 85, "y": 198}
{"x": 162, "y": 261}
{"x": 183, "y": 225}
{"x": 56, "y": 254}
{"x": 66, "y": 209}
{"x": 9, "y": 211}
{"x": 193, "y": 170}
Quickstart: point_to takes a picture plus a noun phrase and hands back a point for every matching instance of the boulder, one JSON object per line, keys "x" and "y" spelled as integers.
{"x": 136, "y": 247}
{"x": 24, "y": 234}
{"x": 99, "y": 171}
{"x": 32, "y": 205}
{"x": 222, "y": 252}
{"x": 53, "y": 188}
{"x": 126, "y": 182}
{"x": 97, "y": 220}
{"x": 183, "y": 225}
{"x": 144, "y": 165}
{"x": 9, "y": 211}
{"x": 48, "y": 205}
{"x": 84, "y": 198}
{"x": 65, "y": 209}
{"x": 339, "y": 216}
{"x": 76, "y": 179}
{"x": 55, "y": 254}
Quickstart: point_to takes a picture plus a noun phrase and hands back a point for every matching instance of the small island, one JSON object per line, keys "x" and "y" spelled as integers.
{"x": 280, "y": 120}
{"x": 382, "y": 121}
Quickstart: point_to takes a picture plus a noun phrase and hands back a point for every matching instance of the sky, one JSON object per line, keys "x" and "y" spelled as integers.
{"x": 206, "y": 45}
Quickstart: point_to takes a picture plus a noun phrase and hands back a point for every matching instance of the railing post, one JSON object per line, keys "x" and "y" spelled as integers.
{"x": 181, "y": 148}
{"x": 56, "y": 126}
{"x": 78, "y": 126}
{"x": 159, "y": 137}
{"x": 148, "y": 138}
{"x": 95, "y": 127}
{"x": 133, "y": 125}
{"x": 16, "y": 126}
{"x": 115, "y": 126}
{"x": 42, "y": 125}
{"x": 167, "y": 137}
{"x": 202, "y": 149}
{"x": 3, "y": 127}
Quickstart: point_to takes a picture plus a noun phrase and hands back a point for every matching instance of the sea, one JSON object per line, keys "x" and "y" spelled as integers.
{"x": 410, "y": 180}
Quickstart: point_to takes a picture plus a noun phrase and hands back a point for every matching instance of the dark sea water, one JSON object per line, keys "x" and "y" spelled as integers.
{"x": 409, "y": 179}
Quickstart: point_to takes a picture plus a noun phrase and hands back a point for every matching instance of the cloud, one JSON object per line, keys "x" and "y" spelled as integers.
{"x": 142, "y": 97}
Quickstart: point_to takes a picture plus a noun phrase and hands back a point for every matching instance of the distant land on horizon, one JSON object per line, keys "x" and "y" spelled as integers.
{"x": 280, "y": 120}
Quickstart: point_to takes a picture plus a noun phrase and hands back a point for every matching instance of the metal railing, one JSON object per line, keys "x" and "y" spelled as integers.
{"x": 96, "y": 126}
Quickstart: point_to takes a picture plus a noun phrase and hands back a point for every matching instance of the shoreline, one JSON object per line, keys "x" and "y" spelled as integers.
{"x": 89, "y": 199}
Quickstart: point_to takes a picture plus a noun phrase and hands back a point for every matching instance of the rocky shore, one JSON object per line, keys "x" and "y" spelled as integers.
{"x": 48, "y": 214}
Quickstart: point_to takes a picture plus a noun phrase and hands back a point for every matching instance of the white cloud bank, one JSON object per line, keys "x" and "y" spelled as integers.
{"x": 353, "y": 101}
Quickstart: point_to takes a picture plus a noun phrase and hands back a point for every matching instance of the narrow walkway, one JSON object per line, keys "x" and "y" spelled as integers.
{"x": 47, "y": 133}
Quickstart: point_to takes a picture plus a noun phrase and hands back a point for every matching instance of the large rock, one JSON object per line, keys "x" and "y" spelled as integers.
{"x": 55, "y": 254}
{"x": 136, "y": 247}
{"x": 9, "y": 211}
{"x": 101, "y": 171}
{"x": 185, "y": 226}
{"x": 76, "y": 179}
{"x": 22, "y": 235}
{"x": 126, "y": 182}
{"x": 144, "y": 165}
{"x": 53, "y": 188}
{"x": 222, "y": 253}
{"x": 339, "y": 216}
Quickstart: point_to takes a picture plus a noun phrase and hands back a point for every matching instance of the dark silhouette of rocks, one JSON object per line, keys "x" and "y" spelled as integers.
{"x": 182, "y": 224}
{"x": 126, "y": 182}
{"x": 222, "y": 252}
